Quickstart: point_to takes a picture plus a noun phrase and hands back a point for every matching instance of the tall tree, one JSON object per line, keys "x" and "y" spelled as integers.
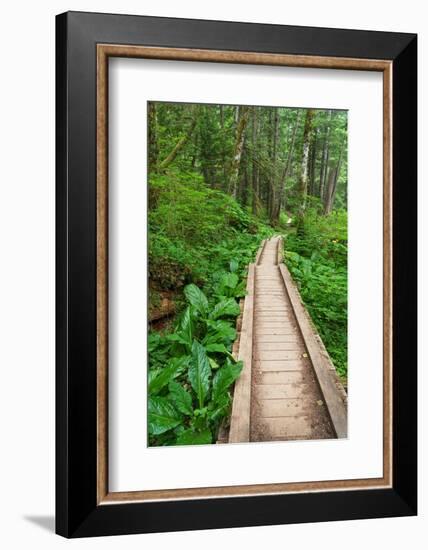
{"x": 273, "y": 177}
{"x": 223, "y": 146}
{"x": 313, "y": 148}
{"x": 254, "y": 167}
{"x": 241, "y": 124}
{"x": 333, "y": 178}
{"x": 325, "y": 155}
{"x": 153, "y": 137}
{"x": 194, "y": 110}
{"x": 303, "y": 180}
{"x": 286, "y": 170}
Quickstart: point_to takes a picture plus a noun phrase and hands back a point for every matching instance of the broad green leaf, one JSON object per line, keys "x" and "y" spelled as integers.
{"x": 164, "y": 376}
{"x": 181, "y": 398}
{"x": 181, "y": 362}
{"x": 240, "y": 290}
{"x": 177, "y": 337}
{"x": 217, "y": 348}
{"x": 220, "y": 408}
{"x": 233, "y": 266}
{"x": 196, "y": 298}
{"x": 214, "y": 364}
{"x": 224, "y": 378}
{"x": 200, "y": 372}
{"x": 219, "y": 331}
{"x": 230, "y": 280}
{"x": 153, "y": 341}
{"x": 225, "y": 308}
{"x": 152, "y": 374}
{"x": 185, "y": 326}
{"x": 191, "y": 437}
{"x": 162, "y": 415}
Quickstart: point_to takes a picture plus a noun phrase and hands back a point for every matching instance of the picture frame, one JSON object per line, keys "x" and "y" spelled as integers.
{"x": 84, "y": 44}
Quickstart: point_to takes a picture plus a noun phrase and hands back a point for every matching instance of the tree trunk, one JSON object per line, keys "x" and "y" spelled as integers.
{"x": 324, "y": 158}
{"x": 286, "y": 170}
{"x": 223, "y": 147}
{"x": 153, "y": 137}
{"x": 182, "y": 141}
{"x": 273, "y": 178}
{"x": 329, "y": 190}
{"x": 303, "y": 181}
{"x": 332, "y": 185}
{"x": 244, "y": 179}
{"x": 237, "y": 150}
{"x": 254, "y": 167}
{"x": 313, "y": 155}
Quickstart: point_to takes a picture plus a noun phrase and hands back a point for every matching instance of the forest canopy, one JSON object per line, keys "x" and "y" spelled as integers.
{"x": 268, "y": 158}
{"x": 222, "y": 178}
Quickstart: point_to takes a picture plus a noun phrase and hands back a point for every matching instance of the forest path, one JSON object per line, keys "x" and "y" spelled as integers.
{"x": 286, "y": 402}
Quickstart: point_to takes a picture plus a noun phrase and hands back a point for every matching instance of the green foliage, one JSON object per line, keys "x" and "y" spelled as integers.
{"x": 191, "y": 372}
{"x": 200, "y": 372}
{"x": 163, "y": 416}
{"x": 317, "y": 260}
{"x": 196, "y": 298}
{"x": 195, "y": 232}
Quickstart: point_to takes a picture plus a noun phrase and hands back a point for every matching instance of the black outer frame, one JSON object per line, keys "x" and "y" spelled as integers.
{"x": 77, "y": 513}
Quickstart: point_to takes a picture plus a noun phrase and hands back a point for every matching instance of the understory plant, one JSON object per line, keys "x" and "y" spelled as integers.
{"x": 317, "y": 259}
{"x": 192, "y": 369}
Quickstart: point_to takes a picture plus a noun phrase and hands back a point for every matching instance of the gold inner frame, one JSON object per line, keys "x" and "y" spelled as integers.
{"x": 104, "y": 51}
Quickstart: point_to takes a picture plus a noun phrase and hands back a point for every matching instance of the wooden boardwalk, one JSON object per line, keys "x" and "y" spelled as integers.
{"x": 288, "y": 389}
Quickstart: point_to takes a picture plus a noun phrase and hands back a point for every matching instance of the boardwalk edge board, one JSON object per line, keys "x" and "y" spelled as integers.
{"x": 260, "y": 252}
{"x": 329, "y": 384}
{"x": 241, "y": 407}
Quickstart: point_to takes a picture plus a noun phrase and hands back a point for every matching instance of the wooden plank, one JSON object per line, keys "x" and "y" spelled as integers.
{"x": 279, "y": 366}
{"x": 284, "y": 319}
{"x": 262, "y": 306}
{"x": 281, "y": 338}
{"x": 274, "y": 315}
{"x": 259, "y": 252}
{"x": 283, "y": 378}
{"x": 268, "y": 320}
{"x": 263, "y": 302}
{"x": 241, "y": 406}
{"x": 278, "y": 355}
{"x": 280, "y": 252}
{"x": 277, "y": 391}
{"x": 280, "y": 407}
{"x": 321, "y": 362}
{"x": 280, "y": 346}
{"x": 286, "y": 427}
{"x": 282, "y": 299}
{"x": 265, "y": 310}
{"x": 271, "y": 326}
{"x": 260, "y": 292}
{"x": 276, "y": 331}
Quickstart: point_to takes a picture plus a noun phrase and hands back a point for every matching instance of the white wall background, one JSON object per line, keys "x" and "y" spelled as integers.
{"x": 27, "y": 272}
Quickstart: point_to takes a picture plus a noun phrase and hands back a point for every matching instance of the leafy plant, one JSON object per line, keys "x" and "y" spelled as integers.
{"x": 190, "y": 394}
{"x": 317, "y": 260}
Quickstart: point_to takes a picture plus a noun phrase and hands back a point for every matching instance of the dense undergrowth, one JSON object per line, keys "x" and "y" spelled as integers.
{"x": 316, "y": 255}
{"x": 200, "y": 243}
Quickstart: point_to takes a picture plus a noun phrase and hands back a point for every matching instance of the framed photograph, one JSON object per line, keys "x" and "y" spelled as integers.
{"x": 236, "y": 274}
